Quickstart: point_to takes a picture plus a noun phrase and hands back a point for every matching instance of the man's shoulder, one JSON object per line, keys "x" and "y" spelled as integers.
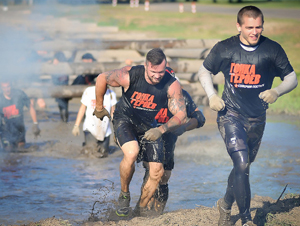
{"x": 170, "y": 71}
{"x": 135, "y": 72}
{"x": 169, "y": 76}
{"x": 269, "y": 42}
{"x": 137, "y": 68}
{"x": 226, "y": 44}
{"x": 229, "y": 41}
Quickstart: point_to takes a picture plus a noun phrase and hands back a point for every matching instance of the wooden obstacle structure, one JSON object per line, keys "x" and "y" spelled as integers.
{"x": 111, "y": 48}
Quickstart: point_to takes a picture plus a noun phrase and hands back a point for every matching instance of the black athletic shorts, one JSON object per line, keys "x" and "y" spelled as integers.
{"x": 241, "y": 133}
{"x": 169, "y": 147}
{"x": 125, "y": 130}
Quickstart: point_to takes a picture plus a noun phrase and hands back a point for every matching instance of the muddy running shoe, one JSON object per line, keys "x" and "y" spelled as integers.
{"x": 225, "y": 214}
{"x": 159, "y": 206}
{"x": 249, "y": 223}
{"x": 123, "y": 204}
{"x": 142, "y": 211}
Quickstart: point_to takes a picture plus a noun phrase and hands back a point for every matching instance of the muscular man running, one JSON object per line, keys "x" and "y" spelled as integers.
{"x": 145, "y": 90}
{"x": 249, "y": 62}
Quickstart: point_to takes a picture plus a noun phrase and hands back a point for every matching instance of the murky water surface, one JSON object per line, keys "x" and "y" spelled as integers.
{"x": 33, "y": 188}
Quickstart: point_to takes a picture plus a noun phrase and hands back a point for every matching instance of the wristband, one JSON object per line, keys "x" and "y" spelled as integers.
{"x": 175, "y": 117}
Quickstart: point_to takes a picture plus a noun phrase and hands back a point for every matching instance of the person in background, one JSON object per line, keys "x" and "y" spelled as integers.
{"x": 96, "y": 132}
{"x": 4, "y": 5}
{"x": 61, "y": 80}
{"x": 145, "y": 90}
{"x": 249, "y": 62}
{"x": 195, "y": 120}
{"x": 86, "y": 79}
{"x": 12, "y": 102}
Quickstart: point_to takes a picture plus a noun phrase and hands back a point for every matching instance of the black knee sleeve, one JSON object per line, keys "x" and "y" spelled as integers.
{"x": 162, "y": 193}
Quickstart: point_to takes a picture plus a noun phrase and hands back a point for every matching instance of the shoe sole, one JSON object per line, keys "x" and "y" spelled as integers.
{"x": 122, "y": 212}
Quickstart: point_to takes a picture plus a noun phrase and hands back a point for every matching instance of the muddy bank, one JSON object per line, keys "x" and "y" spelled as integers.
{"x": 264, "y": 210}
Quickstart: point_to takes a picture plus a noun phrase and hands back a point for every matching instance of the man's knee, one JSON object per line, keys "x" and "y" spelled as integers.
{"x": 242, "y": 168}
{"x": 131, "y": 151}
{"x": 241, "y": 162}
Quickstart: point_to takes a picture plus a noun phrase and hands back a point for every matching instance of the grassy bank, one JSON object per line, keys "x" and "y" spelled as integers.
{"x": 210, "y": 26}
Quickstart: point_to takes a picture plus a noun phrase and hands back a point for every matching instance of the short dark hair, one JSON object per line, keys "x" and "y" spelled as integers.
{"x": 155, "y": 56}
{"x": 88, "y": 56}
{"x": 250, "y": 11}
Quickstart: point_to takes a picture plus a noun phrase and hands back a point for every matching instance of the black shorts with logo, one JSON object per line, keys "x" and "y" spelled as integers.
{"x": 126, "y": 130}
{"x": 169, "y": 147}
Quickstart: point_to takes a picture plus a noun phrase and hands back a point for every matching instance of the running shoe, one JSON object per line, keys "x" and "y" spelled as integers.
{"x": 123, "y": 204}
{"x": 225, "y": 214}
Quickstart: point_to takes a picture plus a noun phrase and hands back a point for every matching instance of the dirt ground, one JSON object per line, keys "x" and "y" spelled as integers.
{"x": 264, "y": 210}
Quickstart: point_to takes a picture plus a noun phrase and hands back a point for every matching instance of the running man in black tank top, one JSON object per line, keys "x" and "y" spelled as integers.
{"x": 249, "y": 62}
{"x": 145, "y": 90}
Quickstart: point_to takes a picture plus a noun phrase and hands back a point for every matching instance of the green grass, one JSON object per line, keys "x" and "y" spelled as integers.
{"x": 260, "y": 3}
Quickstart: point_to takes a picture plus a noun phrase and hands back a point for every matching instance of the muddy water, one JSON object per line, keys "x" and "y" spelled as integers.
{"x": 33, "y": 187}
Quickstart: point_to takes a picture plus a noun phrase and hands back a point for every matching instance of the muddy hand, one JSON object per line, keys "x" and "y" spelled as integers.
{"x": 153, "y": 134}
{"x": 75, "y": 130}
{"x": 101, "y": 114}
{"x": 36, "y": 130}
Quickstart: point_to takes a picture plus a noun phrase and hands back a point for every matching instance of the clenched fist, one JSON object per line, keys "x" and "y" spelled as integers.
{"x": 216, "y": 103}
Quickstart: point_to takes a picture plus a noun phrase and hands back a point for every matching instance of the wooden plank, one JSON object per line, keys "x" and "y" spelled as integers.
{"x": 100, "y": 44}
{"x": 180, "y": 66}
{"x": 76, "y": 91}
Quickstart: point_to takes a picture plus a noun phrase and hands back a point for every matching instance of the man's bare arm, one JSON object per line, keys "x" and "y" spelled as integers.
{"x": 115, "y": 78}
{"x": 177, "y": 107}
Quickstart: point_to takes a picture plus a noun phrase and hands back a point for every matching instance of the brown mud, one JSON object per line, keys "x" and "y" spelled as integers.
{"x": 264, "y": 211}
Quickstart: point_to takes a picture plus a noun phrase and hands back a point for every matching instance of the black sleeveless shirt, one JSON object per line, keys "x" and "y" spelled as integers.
{"x": 142, "y": 101}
